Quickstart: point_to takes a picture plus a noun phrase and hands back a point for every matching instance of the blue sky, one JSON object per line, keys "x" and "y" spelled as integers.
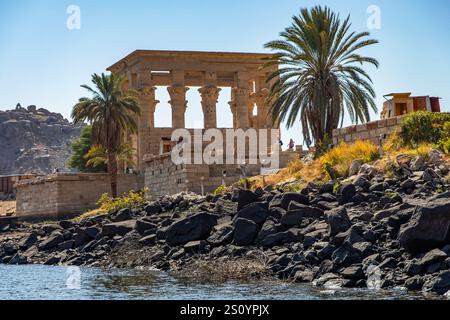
{"x": 44, "y": 63}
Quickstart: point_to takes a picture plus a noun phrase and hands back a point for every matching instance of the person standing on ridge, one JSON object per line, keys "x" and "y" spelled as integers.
{"x": 291, "y": 145}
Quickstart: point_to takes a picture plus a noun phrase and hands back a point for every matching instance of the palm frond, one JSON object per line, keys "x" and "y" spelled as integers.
{"x": 320, "y": 74}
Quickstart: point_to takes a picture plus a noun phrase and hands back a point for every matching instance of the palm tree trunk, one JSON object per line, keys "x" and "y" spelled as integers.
{"x": 112, "y": 168}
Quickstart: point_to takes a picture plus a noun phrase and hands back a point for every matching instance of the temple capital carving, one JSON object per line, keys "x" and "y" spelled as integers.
{"x": 147, "y": 102}
{"x": 178, "y": 96}
{"x": 210, "y": 96}
{"x": 179, "y": 104}
{"x": 177, "y": 91}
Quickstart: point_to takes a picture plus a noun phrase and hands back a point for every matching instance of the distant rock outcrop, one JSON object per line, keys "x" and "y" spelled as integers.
{"x": 34, "y": 140}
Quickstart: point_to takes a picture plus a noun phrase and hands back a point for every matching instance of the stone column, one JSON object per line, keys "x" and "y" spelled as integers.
{"x": 178, "y": 102}
{"x": 210, "y": 96}
{"x": 263, "y": 118}
{"x": 242, "y": 116}
{"x": 242, "y": 100}
{"x": 233, "y": 106}
{"x": 148, "y": 102}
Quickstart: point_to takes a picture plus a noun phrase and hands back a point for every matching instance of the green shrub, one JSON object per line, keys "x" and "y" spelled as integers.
{"x": 130, "y": 200}
{"x": 80, "y": 147}
{"x": 243, "y": 183}
{"x": 444, "y": 145}
{"x": 425, "y": 127}
{"x": 294, "y": 187}
{"x": 391, "y": 194}
{"x": 220, "y": 190}
{"x": 444, "y": 142}
{"x": 336, "y": 186}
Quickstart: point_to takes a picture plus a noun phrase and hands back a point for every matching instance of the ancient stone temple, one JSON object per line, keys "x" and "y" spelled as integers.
{"x": 178, "y": 71}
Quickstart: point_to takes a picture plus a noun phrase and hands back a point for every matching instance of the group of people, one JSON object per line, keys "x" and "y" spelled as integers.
{"x": 291, "y": 145}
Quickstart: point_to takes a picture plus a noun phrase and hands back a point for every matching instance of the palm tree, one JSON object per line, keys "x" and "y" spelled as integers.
{"x": 98, "y": 157}
{"x": 320, "y": 74}
{"x": 111, "y": 111}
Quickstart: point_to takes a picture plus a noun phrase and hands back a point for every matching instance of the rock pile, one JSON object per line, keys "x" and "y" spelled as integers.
{"x": 372, "y": 231}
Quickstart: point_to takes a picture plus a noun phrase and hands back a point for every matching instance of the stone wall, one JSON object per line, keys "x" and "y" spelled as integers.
{"x": 163, "y": 177}
{"x": 288, "y": 156}
{"x": 66, "y": 195}
{"x": 368, "y": 131}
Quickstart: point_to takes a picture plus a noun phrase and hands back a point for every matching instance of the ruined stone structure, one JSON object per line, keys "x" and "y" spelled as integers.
{"x": 402, "y": 103}
{"x": 372, "y": 131}
{"x": 178, "y": 70}
{"x": 394, "y": 109}
{"x": 7, "y": 183}
{"x": 62, "y": 195}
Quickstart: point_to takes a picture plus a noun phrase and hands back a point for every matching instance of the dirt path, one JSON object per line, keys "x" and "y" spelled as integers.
{"x": 7, "y": 208}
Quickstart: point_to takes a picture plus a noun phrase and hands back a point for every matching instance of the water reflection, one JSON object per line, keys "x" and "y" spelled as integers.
{"x": 125, "y": 282}
{"x": 45, "y": 282}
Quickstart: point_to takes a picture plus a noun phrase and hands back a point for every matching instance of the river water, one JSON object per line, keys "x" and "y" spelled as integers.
{"x": 62, "y": 283}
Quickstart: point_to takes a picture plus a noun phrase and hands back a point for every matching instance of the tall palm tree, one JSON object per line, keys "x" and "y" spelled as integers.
{"x": 111, "y": 111}
{"x": 320, "y": 74}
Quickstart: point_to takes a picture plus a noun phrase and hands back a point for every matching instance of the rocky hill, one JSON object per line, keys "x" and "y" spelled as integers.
{"x": 34, "y": 140}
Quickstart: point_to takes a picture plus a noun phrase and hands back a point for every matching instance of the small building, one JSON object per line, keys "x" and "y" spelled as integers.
{"x": 398, "y": 104}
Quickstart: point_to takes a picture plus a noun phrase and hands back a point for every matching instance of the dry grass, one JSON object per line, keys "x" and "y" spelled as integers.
{"x": 220, "y": 271}
{"x": 394, "y": 147}
{"x": 296, "y": 170}
{"x": 388, "y": 161}
{"x": 422, "y": 150}
{"x": 90, "y": 214}
{"x": 339, "y": 158}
